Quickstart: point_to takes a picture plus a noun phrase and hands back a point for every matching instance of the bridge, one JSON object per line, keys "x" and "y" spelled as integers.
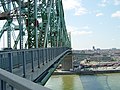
{"x": 35, "y": 42}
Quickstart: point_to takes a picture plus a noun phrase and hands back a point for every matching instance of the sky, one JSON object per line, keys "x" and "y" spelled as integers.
{"x": 93, "y": 23}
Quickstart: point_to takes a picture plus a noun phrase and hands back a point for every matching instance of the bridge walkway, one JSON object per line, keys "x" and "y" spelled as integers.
{"x": 33, "y": 64}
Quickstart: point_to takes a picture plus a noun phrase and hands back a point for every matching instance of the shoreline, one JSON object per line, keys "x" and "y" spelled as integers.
{"x": 85, "y": 72}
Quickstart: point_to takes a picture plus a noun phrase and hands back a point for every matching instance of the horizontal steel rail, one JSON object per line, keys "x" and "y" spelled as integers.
{"x": 29, "y": 61}
{"x": 11, "y": 59}
{"x": 17, "y": 82}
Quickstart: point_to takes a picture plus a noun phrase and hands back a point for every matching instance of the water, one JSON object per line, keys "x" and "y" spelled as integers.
{"x": 84, "y": 82}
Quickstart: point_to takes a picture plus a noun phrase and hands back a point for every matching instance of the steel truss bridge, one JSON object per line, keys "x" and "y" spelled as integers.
{"x": 35, "y": 41}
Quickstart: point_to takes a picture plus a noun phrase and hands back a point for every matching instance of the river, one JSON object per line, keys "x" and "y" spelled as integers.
{"x": 84, "y": 82}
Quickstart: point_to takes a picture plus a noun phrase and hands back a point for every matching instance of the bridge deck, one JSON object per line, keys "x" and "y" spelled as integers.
{"x": 32, "y": 64}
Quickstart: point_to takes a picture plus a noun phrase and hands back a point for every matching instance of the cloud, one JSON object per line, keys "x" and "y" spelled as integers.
{"x": 82, "y": 32}
{"x": 117, "y": 2}
{"x": 85, "y": 28}
{"x": 71, "y": 28}
{"x": 99, "y": 14}
{"x": 75, "y": 5}
{"x": 113, "y": 39}
{"x": 79, "y": 31}
{"x": 103, "y": 3}
{"x": 81, "y": 11}
{"x": 101, "y": 23}
{"x": 116, "y": 14}
{"x": 70, "y": 4}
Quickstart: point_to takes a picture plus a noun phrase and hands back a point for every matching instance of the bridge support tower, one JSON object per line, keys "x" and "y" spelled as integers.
{"x": 67, "y": 63}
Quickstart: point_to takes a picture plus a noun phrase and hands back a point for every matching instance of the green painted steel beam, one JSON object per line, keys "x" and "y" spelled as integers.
{"x": 36, "y": 22}
{"x": 42, "y": 19}
{"x": 9, "y": 26}
{"x": 20, "y": 24}
{"x": 3, "y": 2}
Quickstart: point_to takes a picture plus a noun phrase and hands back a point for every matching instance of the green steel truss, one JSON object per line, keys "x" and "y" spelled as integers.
{"x": 41, "y": 22}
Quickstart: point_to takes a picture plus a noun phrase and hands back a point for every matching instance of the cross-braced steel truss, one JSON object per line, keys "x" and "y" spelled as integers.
{"x": 39, "y": 23}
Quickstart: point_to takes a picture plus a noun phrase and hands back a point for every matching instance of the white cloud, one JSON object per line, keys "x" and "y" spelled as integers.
{"x": 99, "y": 14}
{"x": 117, "y": 2}
{"x": 75, "y": 5}
{"x": 71, "y": 28}
{"x": 103, "y": 3}
{"x": 80, "y": 11}
{"x": 82, "y": 32}
{"x": 101, "y": 23}
{"x": 116, "y": 14}
{"x": 85, "y": 28}
{"x": 70, "y": 4}
{"x": 113, "y": 39}
{"x": 79, "y": 31}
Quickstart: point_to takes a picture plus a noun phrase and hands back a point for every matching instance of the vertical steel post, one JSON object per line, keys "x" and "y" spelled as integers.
{"x": 38, "y": 51}
{"x": 20, "y": 26}
{"x": 47, "y": 25}
{"x": 3, "y": 85}
{"x": 10, "y": 62}
{"x": 9, "y": 27}
{"x": 43, "y": 56}
{"x": 10, "y": 65}
{"x": 36, "y": 24}
{"x": 32, "y": 54}
{"x": 46, "y": 55}
{"x": 24, "y": 64}
{"x": 50, "y": 54}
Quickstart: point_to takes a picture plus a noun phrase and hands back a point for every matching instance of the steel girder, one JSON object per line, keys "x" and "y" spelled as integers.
{"x": 9, "y": 13}
{"x": 43, "y": 21}
{"x": 7, "y": 9}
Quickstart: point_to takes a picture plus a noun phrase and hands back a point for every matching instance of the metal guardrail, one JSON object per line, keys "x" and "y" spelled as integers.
{"x": 13, "y": 59}
{"x": 9, "y": 80}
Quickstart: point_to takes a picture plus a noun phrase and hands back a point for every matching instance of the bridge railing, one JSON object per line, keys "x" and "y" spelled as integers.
{"x": 12, "y": 59}
{"x": 9, "y": 81}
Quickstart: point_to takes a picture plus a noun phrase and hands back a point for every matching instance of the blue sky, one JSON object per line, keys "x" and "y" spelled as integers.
{"x": 93, "y": 23}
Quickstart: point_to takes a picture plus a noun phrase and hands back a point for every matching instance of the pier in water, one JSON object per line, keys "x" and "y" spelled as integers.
{"x": 84, "y": 82}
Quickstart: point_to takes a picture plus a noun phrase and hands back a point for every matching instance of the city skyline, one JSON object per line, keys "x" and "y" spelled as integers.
{"x": 93, "y": 23}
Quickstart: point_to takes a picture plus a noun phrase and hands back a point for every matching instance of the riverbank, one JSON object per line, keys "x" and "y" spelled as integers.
{"x": 90, "y": 72}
